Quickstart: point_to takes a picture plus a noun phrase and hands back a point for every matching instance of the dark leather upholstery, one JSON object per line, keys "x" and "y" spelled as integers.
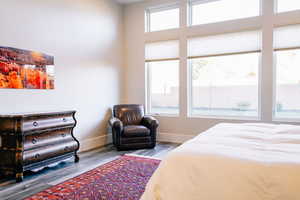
{"x": 129, "y": 114}
{"x": 136, "y": 131}
{"x": 131, "y": 128}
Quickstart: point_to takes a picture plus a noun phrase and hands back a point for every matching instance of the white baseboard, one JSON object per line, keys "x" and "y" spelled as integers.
{"x": 96, "y": 142}
{"x": 174, "y": 137}
{"x": 100, "y": 141}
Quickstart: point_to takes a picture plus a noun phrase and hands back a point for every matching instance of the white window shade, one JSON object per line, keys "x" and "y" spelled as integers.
{"x": 211, "y": 11}
{"x": 287, "y": 37}
{"x": 231, "y": 43}
{"x": 287, "y": 5}
{"x": 159, "y": 51}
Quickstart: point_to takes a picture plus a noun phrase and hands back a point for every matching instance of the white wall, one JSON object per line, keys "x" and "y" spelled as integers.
{"x": 86, "y": 37}
{"x": 135, "y": 39}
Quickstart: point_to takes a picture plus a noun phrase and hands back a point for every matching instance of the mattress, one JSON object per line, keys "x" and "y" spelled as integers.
{"x": 247, "y": 161}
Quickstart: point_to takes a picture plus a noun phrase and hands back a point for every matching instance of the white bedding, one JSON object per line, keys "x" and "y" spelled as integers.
{"x": 232, "y": 162}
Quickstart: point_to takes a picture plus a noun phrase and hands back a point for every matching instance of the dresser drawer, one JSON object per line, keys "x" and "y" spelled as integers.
{"x": 47, "y": 138}
{"x": 43, "y": 153}
{"x": 46, "y": 122}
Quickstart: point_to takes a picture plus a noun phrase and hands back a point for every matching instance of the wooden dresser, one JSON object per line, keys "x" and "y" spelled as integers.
{"x": 35, "y": 140}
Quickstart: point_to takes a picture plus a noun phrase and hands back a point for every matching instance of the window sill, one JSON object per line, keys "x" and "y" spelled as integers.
{"x": 237, "y": 118}
{"x": 163, "y": 30}
{"x": 230, "y": 21}
{"x": 288, "y": 120}
{"x": 286, "y": 12}
{"x": 163, "y": 115}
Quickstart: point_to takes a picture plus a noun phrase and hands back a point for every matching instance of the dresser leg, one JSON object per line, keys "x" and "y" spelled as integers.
{"x": 76, "y": 158}
{"x": 19, "y": 177}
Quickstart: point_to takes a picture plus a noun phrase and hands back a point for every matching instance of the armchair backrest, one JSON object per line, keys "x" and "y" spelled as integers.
{"x": 129, "y": 114}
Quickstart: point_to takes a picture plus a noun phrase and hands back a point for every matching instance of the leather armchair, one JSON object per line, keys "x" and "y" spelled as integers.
{"x": 131, "y": 129}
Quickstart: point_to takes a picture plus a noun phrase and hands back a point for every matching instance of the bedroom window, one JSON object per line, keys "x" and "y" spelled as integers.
{"x": 162, "y": 18}
{"x": 224, "y": 75}
{"x": 287, "y": 5}
{"x": 211, "y": 11}
{"x": 162, "y": 71}
{"x": 287, "y": 61}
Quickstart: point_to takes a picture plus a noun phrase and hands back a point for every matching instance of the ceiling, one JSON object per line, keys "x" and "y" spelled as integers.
{"x": 128, "y": 1}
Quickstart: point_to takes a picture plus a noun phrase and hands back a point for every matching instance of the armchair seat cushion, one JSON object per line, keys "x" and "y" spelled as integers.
{"x": 136, "y": 131}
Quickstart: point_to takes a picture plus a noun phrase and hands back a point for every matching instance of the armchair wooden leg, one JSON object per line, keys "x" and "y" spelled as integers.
{"x": 19, "y": 177}
{"x": 76, "y": 158}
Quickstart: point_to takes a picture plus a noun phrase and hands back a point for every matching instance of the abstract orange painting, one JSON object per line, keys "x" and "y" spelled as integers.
{"x": 23, "y": 69}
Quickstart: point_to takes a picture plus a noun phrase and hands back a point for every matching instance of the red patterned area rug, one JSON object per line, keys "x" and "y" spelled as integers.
{"x": 122, "y": 179}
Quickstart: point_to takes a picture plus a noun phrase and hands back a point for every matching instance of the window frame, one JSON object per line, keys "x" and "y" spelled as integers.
{"x": 259, "y": 86}
{"x": 160, "y": 8}
{"x": 191, "y": 3}
{"x": 275, "y": 68}
{"x": 275, "y": 80}
{"x": 148, "y": 82}
{"x": 229, "y": 117}
{"x": 267, "y": 20}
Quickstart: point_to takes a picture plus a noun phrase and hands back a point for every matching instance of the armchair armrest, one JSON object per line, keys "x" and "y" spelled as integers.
{"x": 115, "y": 123}
{"x": 150, "y": 122}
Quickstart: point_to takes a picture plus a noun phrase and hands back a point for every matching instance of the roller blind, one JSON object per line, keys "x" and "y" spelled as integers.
{"x": 160, "y": 51}
{"x": 287, "y": 37}
{"x": 225, "y": 44}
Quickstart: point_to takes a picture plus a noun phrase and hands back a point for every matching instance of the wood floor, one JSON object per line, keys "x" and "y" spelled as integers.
{"x": 37, "y": 181}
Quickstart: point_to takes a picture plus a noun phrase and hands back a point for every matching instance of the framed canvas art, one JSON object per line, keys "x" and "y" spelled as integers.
{"x": 23, "y": 69}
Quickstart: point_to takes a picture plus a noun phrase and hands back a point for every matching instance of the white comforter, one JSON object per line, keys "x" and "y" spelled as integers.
{"x": 232, "y": 162}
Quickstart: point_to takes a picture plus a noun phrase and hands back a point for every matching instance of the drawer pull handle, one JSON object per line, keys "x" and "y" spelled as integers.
{"x": 35, "y": 124}
{"x": 34, "y": 141}
{"x": 65, "y": 120}
{"x": 63, "y": 135}
{"x": 37, "y": 156}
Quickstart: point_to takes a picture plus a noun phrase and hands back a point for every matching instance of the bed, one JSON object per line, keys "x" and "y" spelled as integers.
{"x": 232, "y": 162}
